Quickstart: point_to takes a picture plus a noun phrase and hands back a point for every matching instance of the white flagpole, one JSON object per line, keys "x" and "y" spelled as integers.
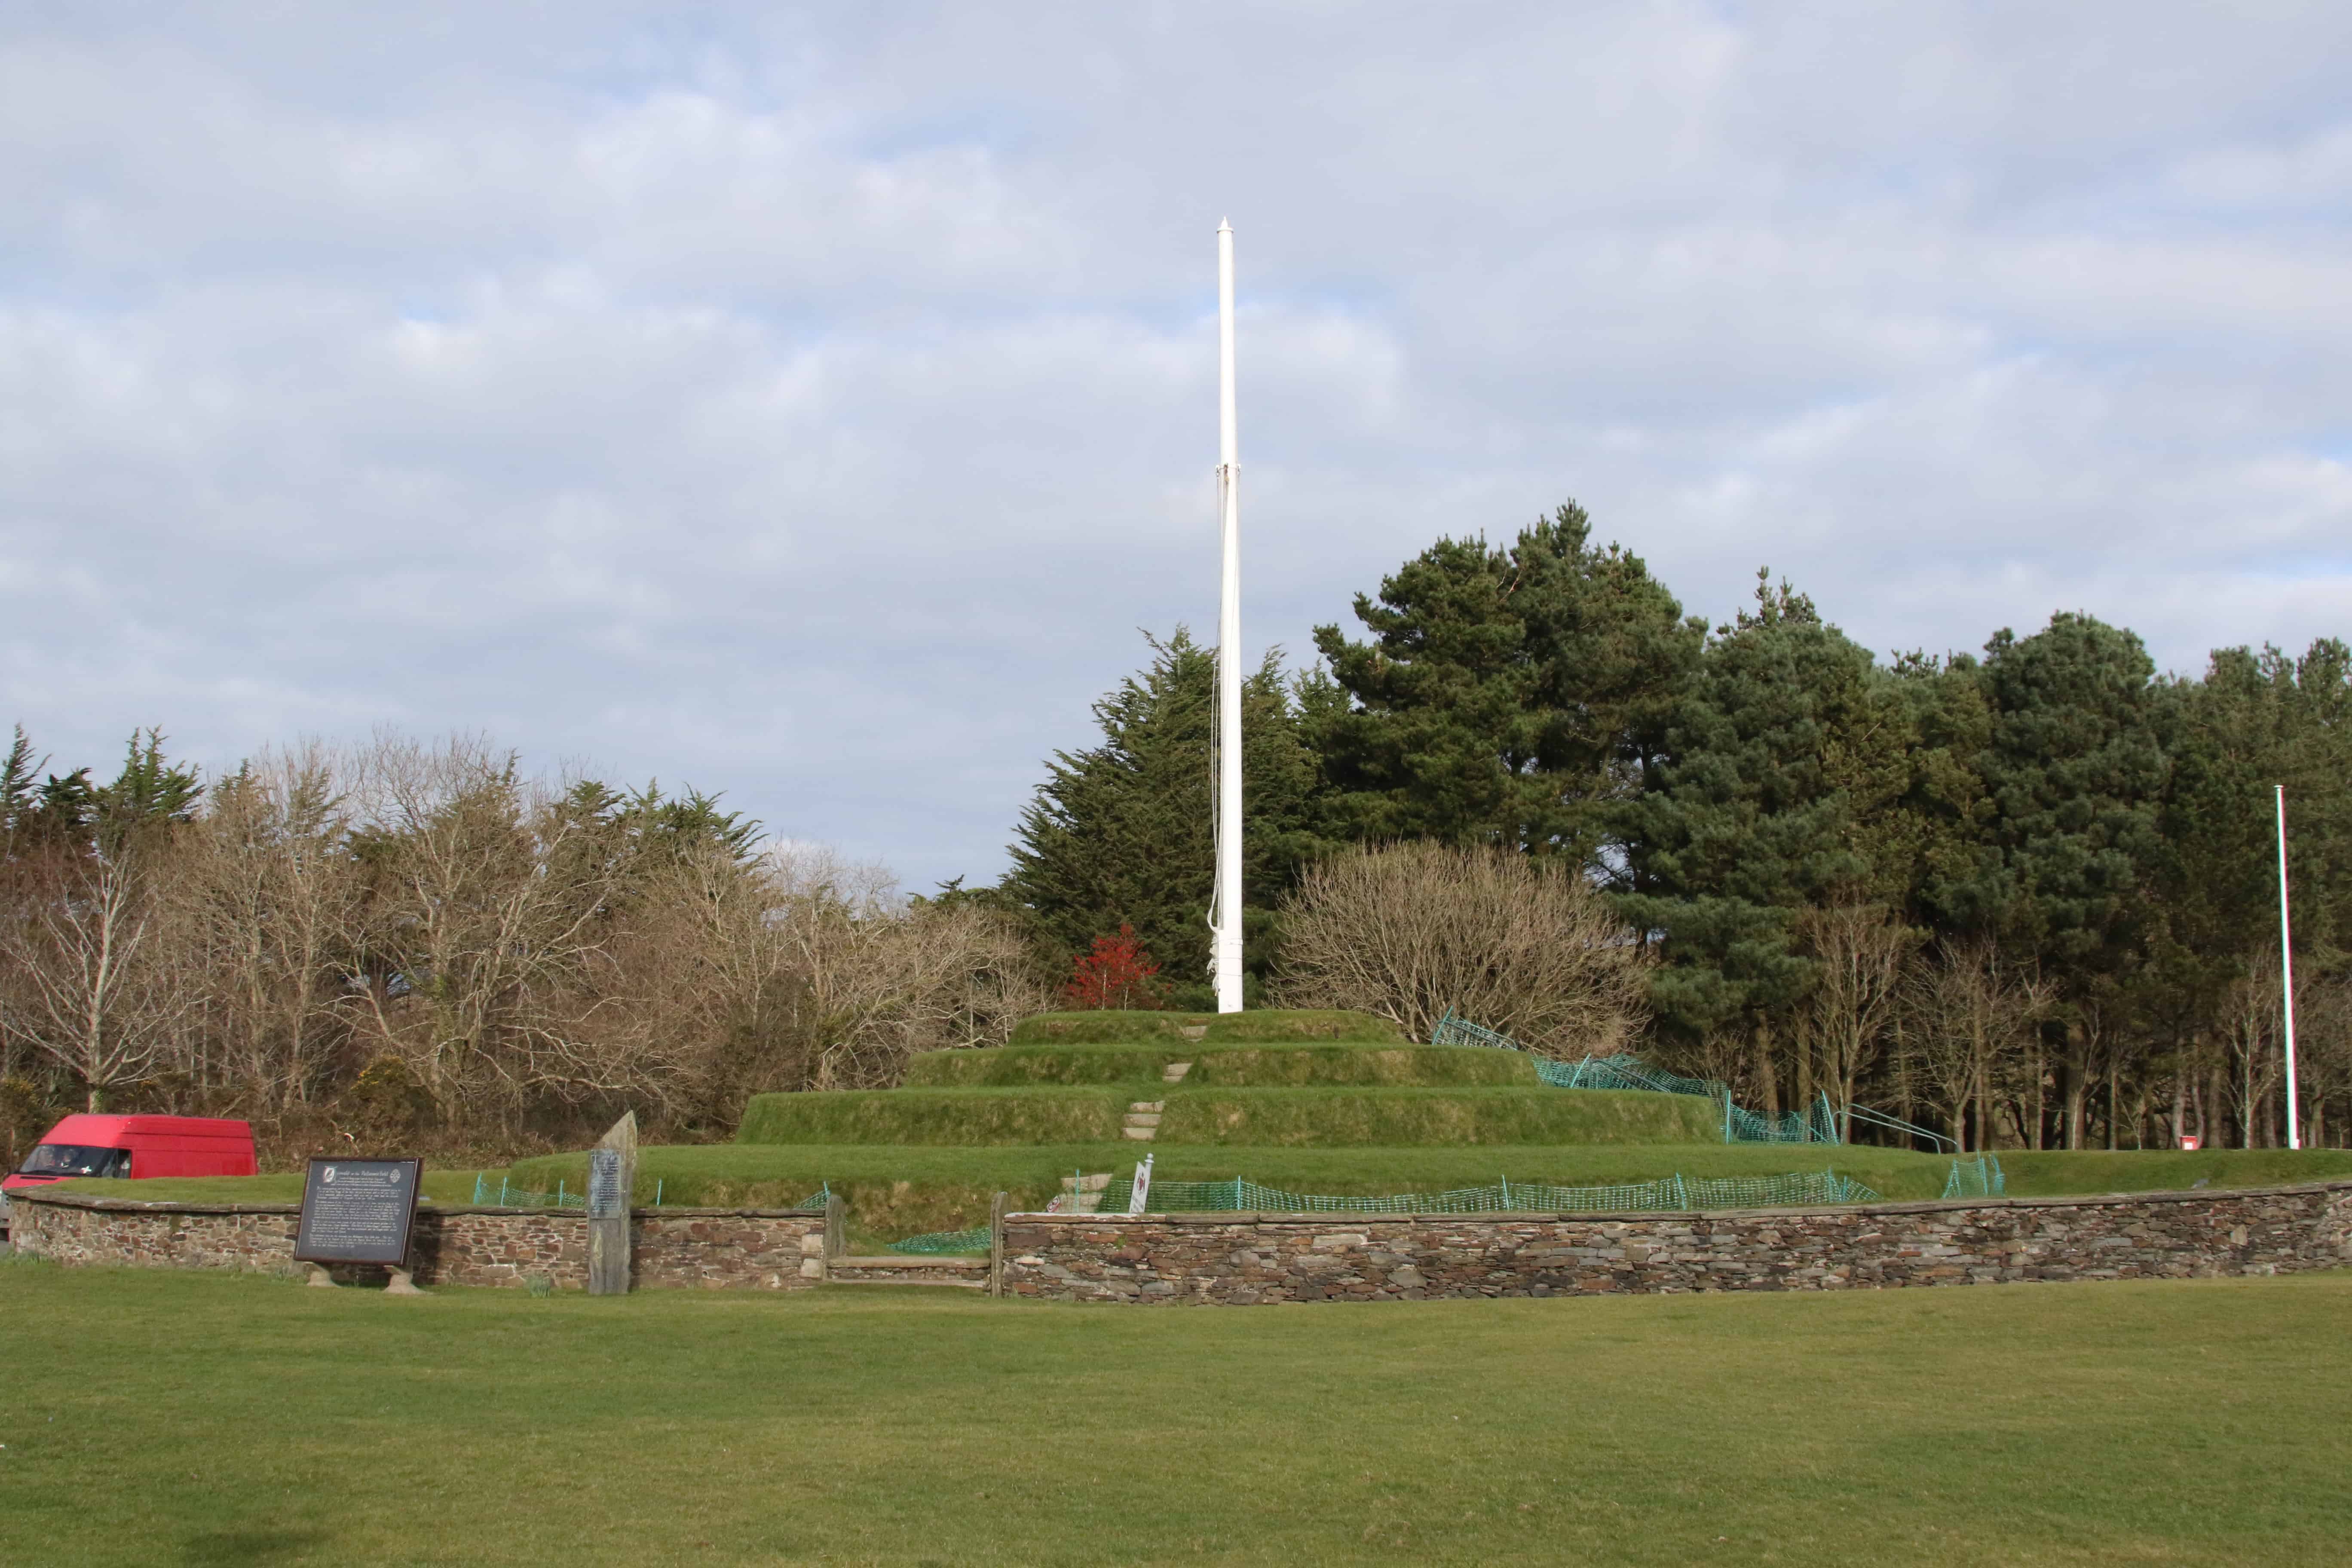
{"x": 1227, "y": 921}
{"x": 2286, "y": 976}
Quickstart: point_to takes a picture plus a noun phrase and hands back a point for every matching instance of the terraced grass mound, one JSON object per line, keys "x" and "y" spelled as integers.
{"x": 1225, "y": 1066}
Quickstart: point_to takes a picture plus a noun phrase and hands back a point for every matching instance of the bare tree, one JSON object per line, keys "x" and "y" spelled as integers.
{"x": 883, "y": 979}
{"x": 2252, "y": 1037}
{"x": 1858, "y": 953}
{"x": 1968, "y": 1010}
{"x": 2323, "y": 1051}
{"x": 1413, "y": 930}
{"x": 97, "y": 997}
{"x": 484, "y": 921}
{"x": 268, "y": 895}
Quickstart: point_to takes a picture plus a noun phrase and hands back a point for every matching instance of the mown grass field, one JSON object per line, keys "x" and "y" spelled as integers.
{"x": 153, "y": 1417}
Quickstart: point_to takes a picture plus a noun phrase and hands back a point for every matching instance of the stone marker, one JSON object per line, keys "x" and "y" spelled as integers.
{"x": 612, "y": 1176}
{"x": 359, "y": 1211}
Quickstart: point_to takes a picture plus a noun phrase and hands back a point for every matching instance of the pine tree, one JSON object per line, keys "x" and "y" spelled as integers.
{"x": 1506, "y": 695}
{"x": 1784, "y": 729}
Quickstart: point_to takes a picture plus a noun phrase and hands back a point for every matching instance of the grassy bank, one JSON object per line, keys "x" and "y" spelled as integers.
{"x": 2069, "y": 1424}
{"x": 1405, "y": 1118}
{"x": 1214, "y": 1028}
{"x": 1254, "y": 1067}
{"x": 973, "y": 1117}
{"x": 1326, "y": 1117}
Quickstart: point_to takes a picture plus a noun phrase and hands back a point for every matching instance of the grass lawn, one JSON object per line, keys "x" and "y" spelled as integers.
{"x": 154, "y": 1417}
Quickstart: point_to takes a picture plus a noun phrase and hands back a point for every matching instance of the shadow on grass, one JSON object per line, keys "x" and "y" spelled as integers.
{"x": 223, "y": 1547}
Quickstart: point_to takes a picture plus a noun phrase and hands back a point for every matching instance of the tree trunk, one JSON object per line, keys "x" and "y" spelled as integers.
{"x": 2041, "y": 1090}
{"x": 1766, "y": 1075}
{"x": 1804, "y": 1051}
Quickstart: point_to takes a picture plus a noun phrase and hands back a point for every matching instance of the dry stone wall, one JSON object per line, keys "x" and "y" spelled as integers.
{"x": 1260, "y": 1259}
{"x": 774, "y": 1249}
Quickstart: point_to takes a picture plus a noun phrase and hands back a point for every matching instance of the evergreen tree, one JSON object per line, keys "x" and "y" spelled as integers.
{"x": 1121, "y": 833}
{"x": 2076, "y": 772}
{"x": 1786, "y": 741}
{"x": 1505, "y": 696}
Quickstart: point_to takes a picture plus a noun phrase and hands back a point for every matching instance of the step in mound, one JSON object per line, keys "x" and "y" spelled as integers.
{"x": 1225, "y": 1066}
{"x": 1407, "y": 1117}
{"x": 1269, "y": 1026}
{"x": 1330, "y": 1117}
{"x": 977, "y": 1117}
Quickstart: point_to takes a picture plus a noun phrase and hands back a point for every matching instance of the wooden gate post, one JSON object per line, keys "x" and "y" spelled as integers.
{"x": 996, "y": 1246}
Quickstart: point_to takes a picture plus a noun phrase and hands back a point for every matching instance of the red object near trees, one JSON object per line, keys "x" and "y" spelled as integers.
{"x": 1117, "y": 974}
{"x": 137, "y": 1146}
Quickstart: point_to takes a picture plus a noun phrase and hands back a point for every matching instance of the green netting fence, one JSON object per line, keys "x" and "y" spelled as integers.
{"x": 1798, "y": 1189}
{"x": 944, "y": 1241}
{"x": 1819, "y": 1122}
{"x": 506, "y": 1194}
{"x": 1977, "y": 1178}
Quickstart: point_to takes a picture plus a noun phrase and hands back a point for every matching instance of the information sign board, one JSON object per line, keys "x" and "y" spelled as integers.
{"x": 357, "y": 1211}
{"x": 606, "y": 1198}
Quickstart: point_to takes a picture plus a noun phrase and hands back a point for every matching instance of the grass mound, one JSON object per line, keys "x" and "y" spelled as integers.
{"x": 1324, "y": 1115}
{"x": 1405, "y": 1118}
{"x": 1224, "y": 1066}
{"x": 903, "y": 1191}
{"x": 1395, "y": 1066}
{"x": 1267, "y": 1026}
{"x": 1102, "y": 1028}
{"x": 973, "y": 1117}
{"x": 1011, "y": 1067}
{"x": 1274, "y": 1025}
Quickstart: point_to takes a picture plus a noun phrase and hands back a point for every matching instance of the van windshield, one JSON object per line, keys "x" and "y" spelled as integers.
{"x": 75, "y": 1160}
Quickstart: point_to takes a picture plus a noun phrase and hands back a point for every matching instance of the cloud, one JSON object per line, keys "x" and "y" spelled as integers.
{"x": 813, "y": 404}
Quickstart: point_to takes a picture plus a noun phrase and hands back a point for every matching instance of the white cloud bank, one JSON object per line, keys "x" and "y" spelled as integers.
{"x": 811, "y": 402}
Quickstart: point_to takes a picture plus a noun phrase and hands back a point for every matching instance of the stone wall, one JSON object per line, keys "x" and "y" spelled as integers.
{"x": 1246, "y": 1259}
{"x": 773, "y": 1250}
{"x": 1252, "y": 1259}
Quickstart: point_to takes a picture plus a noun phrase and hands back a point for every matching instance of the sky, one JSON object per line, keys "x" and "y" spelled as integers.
{"x": 817, "y": 403}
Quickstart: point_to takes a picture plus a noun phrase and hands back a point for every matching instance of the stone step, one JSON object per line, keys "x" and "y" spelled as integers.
{"x": 1154, "y": 1106}
{"x": 1139, "y": 1119}
{"x": 1174, "y": 1072}
{"x": 1194, "y": 1031}
{"x": 1141, "y": 1134}
{"x": 963, "y": 1273}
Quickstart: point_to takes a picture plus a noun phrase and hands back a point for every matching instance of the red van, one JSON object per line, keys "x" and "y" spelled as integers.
{"x": 137, "y": 1146}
